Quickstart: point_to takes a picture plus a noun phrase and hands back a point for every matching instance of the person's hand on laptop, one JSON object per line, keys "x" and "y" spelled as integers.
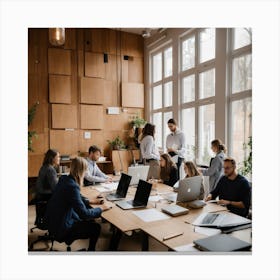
{"x": 208, "y": 197}
{"x": 109, "y": 180}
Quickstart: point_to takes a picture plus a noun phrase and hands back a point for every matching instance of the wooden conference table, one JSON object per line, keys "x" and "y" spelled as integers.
{"x": 125, "y": 221}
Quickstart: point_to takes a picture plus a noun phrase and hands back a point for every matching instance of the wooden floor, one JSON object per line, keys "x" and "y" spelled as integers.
{"x": 127, "y": 243}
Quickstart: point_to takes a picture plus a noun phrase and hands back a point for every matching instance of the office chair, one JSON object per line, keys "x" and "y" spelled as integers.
{"x": 40, "y": 223}
{"x": 67, "y": 242}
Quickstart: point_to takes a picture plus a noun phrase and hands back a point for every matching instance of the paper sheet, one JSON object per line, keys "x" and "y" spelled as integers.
{"x": 102, "y": 189}
{"x": 186, "y": 248}
{"x": 110, "y": 186}
{"x": 150, "y": 215}
{"x": 207, "y": 231}
{"x": 175, "y": 158}
{"x": 155, "y": 198}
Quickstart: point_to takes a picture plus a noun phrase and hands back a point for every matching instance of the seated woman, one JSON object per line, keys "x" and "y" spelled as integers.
{"x": 67, "y": 216}
{"x": 47, "y": 178}
{"x": 192, "y": 171}
{"x": 168, "y": 170}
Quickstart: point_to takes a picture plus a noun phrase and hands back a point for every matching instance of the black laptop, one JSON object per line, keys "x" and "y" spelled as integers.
{"x": 221, "y": 243}
{"x": 140, "y": 199}
{"x": 122, "y": 188}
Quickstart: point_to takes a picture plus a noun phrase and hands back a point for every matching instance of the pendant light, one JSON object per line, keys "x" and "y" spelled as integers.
{"x": 57, "y": 36}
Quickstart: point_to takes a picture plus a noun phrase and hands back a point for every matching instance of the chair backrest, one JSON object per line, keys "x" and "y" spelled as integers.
{"x": 40, "y": 221}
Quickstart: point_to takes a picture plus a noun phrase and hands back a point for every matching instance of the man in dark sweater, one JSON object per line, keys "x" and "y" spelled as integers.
{"x": 233, "y": 190}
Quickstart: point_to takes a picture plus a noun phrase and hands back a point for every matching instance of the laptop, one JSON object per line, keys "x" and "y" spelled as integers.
{"x": 221, "y": 243}
{"x": 140, "y": 199}
{"x": 122, "y": 188}
{"x": 138, "y": 172}
{"x": 220, "y": 220}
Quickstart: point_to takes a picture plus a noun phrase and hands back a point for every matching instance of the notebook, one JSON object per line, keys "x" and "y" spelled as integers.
{"x": 174, "y": 210}
{"x": 221, "y": 243}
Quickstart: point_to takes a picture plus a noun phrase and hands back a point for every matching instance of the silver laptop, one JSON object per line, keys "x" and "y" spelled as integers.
{"x": 220, "y": 220}
{"x": 140, "y": 199}
{"x": 121, "y": 190}
{"x": 189, "y": 189}
{"x": 175, "y": 210}
{"x": 138, "y": 172}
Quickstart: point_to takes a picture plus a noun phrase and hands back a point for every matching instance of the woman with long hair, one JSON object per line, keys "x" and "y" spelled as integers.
{"x": 192, "y": 171}
{"x": 215, "y": 170}
{"x": 149, "y": 151}
{"x": 67, "y": 216}
{"x": 168, "y": 170}
{"x": 47, "y": 178}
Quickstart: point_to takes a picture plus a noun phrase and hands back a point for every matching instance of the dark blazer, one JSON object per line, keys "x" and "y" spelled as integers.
{"x": 66, "y": 207}
{"x": 173, "y": 177}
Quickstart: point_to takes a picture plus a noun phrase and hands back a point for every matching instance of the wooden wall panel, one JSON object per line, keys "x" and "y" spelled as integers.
{"x": 34, "y": 164}
{"x": 94, "y": 65}
{"x": 70, "y": 39}
{"x": 133, "y": 70}
{"x": 92, "y": 90}
{"x": 111, "y": 73}
{"x": 59, "y": 61}
{"x": 96, "y": 139}
{"x": 132, "y": 45}
{"x": 122, "y": 159}
{"x": 91, "y": 117}
{"x": 59, "y": 89}
{"x": 133, "y": 95}
{"x": 41, "y": 119}
{"x": 40, "y": 144}
{"x": 65, "y": 141}
{"x": 111, "y": 93}
{"x": 112, "y": 41}
{"x": 64, "y": 116}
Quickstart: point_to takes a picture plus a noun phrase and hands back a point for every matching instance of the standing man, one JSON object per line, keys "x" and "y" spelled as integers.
{"x": 94, "y": 174}
{"x": 176, "y": 144}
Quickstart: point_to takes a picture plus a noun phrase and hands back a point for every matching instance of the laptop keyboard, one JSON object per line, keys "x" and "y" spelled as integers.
{"x": 210, "y": 218}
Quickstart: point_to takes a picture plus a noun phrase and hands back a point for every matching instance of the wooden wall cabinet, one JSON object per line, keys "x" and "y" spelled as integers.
{"x": 92, "y": 90}
{"x": 64, "y": 116}
{"x": 91, "y": 117}
{"x": 59, "y": 89}
{"x": 59, "y": 61}
{"x": 94, "y": 65}
{"x": 133, "y": 95}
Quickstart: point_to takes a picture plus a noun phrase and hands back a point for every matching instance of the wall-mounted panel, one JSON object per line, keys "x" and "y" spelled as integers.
{"x": 92, "y": 90}
{"x": 64, "y": 116}
{"x": 65, "y": 141}
{"x": 34, "y": 164}
{"x": 133, "y": 95}
{"x": 96, "y": 139}
{"x": 59, "y": 89}
{"x": 132, "y": 45}
{"x": 94, "y": 65}
{"x": 133, "y": 70}
{"x": 91, "y": 117}
{"x": 59, "y": 61}
{"x": 111, "y": 93}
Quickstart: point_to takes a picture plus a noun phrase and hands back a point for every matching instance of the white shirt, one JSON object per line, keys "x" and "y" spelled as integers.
{"x": 176, "y": 141}
{"x": 93, "y": 173}
{"x": 148, "y": 148}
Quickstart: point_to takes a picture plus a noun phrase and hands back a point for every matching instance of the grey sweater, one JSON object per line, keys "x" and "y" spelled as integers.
{"x": 215, "y": 171}
{"x": 47, "y": 180}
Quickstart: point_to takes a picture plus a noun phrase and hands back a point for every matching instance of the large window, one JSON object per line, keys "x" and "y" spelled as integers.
{"x": 240, "y": 105}
{"x": 204, "y": 80}
{"x": 197, "y": 93}
{"x": 161, "y": 88}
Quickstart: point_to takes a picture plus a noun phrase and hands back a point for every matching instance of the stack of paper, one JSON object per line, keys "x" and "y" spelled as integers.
{"x": 150, "y": 215}
{"x": 107, "y": 187}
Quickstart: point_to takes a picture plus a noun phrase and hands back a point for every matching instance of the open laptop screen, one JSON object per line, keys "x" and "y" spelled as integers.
{"x": 123, "y": 185}
{"x": 143, "y": 192}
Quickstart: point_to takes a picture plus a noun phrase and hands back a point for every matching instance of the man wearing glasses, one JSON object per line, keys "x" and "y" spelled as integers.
{"x": 233, "y": 190}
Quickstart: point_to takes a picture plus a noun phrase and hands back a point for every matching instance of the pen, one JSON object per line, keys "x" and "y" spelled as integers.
{"x": 172, "y": 236}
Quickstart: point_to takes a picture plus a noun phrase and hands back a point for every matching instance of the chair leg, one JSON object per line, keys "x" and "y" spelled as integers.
{"x": 68, "y": 248}
{"x": 51, "y": 249}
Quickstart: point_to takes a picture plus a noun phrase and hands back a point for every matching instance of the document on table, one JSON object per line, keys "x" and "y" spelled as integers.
{"x": 186, "y": 248}
{"x": 207, "y": 231}
{"x": 150, "y": 215}
{"x": 155, "y": 198}
{"x": 107, "y": 187}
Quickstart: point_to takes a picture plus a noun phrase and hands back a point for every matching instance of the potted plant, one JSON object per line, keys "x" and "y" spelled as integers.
{"x": 117, "y": 143}
{"x": 31, "y": 134}
{"x": 246, "y": 165}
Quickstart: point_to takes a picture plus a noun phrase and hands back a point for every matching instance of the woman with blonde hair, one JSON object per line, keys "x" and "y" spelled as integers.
{"x": 67, "y": 216}
{"x": 215, "y": 170}
{"x": 192, "y": 171}
{"x": 168, "y": 170}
